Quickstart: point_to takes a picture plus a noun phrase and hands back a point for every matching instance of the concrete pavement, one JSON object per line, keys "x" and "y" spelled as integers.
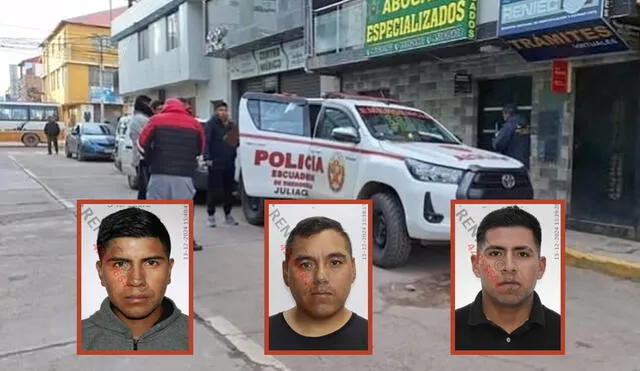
{"x": 411, "y": 329}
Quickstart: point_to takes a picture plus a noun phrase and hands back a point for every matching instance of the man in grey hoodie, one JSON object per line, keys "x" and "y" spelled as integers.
{"x": 134, "y": 248}
{"x": 141, "y": 113}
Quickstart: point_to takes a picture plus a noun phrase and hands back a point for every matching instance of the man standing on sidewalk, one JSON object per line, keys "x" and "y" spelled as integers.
{"x": 52, "y": 131}
{"x": 222, "y": 143}
{"x": 171, "y": 143}
{"x": 514, "y": 138}
{"x": 142, "y": 112}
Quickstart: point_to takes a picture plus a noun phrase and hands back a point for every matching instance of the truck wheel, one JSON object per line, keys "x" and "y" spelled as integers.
{"x": 391, "y": 242}
{"x": 252, "y": 207}
{"x": 30, "y": 140}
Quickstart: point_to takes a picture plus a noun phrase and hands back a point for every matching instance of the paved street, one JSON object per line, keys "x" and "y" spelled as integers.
{"x": 411, "y": 329}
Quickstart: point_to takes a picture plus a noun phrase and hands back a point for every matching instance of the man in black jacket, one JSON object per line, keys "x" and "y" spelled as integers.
{"x": 222, "y": 143}
{"x": 52, "y": 131}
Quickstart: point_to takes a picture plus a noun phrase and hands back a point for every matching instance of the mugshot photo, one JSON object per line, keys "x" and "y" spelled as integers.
{"x": 318, "y": 270}
{"x": 134, "y": 276}
{"x": 507, "y": 277}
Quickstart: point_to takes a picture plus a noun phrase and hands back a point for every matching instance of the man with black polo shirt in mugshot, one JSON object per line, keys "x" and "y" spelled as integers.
{"x": 134, "y": 248}
{"x": 507, "y": 313}
{"x": 319, "y": 270}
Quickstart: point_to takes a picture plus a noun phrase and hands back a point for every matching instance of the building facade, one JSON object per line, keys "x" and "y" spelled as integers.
{"x": 571, "y": 71}
{"x": 263, "y": 42}
{"x": 13, "y": 92}
{"x": 73, "y": 55}
{"x": 31, "y": 88}
{"x": 162, "y": 55}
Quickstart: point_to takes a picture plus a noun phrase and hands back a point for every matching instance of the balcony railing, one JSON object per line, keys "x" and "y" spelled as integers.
{"x": 338, "y": 27}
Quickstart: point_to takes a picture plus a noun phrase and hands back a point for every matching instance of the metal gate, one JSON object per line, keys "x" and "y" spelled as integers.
{"x": 252, "y": 85}
{"x": 300, "y": 83}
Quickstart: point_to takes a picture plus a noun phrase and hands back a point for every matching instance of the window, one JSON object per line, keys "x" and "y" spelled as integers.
{"x": 340, "y": 27}
{"x": 42, "y": 113}
{"x": 172, "y": 31}
{"x": 331, "y": 119}
{"x": 143, "y": 44}
{"x": 109, "y": 77}
{"x": 14, "y": 113}
{"x": 96, "y": 129}
{"x": 278, "y": 117}
{"x": 403, "y": 125}
{"x": 325, "y": 32}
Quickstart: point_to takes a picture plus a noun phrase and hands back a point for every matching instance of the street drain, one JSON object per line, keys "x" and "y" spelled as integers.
{"x": 432, "y": 291}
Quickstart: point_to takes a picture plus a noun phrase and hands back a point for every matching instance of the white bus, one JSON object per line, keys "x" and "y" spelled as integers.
{"x": 24, "y": 121}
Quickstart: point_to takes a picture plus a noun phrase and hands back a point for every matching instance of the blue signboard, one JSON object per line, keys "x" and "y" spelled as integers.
{"x": 522, "y": 16}
{"x": 573, "y": 40}
{"x": 108, "y": 94}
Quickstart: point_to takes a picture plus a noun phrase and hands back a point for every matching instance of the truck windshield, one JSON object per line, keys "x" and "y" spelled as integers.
{"x": 402, "y": 125}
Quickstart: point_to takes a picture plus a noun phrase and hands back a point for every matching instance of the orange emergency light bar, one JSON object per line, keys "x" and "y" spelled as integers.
{"x": 341, "y": 95}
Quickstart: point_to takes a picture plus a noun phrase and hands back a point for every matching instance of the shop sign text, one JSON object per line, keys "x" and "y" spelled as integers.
{"x": 589, "y": 38}
{"x": 395, "y": 26}
{"x": 520, "y": 16}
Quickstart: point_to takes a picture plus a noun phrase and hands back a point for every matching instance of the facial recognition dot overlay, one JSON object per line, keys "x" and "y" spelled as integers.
{"x": 282, "y": 218}
{"x": 467, "y": 219}
{"x": 174, "y": 216}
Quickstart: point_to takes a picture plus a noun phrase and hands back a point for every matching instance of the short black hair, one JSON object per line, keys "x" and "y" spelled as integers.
{"x": 219, "y": 104}
{"x": 312, "y": 226}
{"x": 510, "y": 108}
{"x": 132, "y": 222}
{"x": 155, "y": 104}
{"x": 510, "y": 216}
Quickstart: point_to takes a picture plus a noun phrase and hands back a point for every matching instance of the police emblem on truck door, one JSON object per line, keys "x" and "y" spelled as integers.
{"x": 336, "y": 172}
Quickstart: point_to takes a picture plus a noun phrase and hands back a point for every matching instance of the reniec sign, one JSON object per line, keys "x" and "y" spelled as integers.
{"x": 395, "y": 26}
{"x": 523, "y": 16}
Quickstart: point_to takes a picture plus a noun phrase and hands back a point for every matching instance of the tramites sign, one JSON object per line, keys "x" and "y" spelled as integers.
{"x": 395, "y": 26}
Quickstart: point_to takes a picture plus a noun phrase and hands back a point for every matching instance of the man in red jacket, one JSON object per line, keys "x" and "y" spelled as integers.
{"x": 171, "y": 142}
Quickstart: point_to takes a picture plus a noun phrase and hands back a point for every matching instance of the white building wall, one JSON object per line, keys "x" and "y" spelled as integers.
{"x": 184, "y": 63}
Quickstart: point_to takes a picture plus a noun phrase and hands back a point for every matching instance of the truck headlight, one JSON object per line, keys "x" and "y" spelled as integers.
{"x": 427, "y": 172}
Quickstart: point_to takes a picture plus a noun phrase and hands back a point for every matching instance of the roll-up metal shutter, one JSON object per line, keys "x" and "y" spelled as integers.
{"x": 300, "y": 83}
{"x": 252, "y": 85}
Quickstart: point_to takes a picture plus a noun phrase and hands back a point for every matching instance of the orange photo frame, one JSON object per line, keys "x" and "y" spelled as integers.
{"x": 563, "y": 313}
{"x": 79, "y": 252}
{"x": 369, "y": 204}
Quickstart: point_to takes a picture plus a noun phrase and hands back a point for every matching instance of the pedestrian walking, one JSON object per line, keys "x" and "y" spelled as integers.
{"x": 171, "y": 143}
{"x": 52, "y": 131}
{"x": 514, "y": 138}
{"x": 141, "y": 114}
{"x": 222, "y": 144}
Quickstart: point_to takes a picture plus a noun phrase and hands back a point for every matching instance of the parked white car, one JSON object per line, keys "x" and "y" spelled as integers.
{"x": 353, "y": 147}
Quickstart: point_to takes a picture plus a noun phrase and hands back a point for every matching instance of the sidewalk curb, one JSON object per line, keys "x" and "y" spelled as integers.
{"x": 601, "y": 263}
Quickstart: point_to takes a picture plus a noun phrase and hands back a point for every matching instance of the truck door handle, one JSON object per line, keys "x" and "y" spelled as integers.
{"x": 315, "y": 151}
{"x": 128, "y": 147}
{"x": 254, "y": 144}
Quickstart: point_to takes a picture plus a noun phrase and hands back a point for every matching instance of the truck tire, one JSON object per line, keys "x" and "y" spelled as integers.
{"x": 391, "y": 242}
{"x": 30, "y": 140}
{"x": 252, "y": 207}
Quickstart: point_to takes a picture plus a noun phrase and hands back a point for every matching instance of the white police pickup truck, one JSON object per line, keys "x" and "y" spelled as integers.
{"x": 355, "y": 147}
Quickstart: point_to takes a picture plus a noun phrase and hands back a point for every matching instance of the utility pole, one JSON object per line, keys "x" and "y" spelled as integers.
{"x": 101, "y": 77}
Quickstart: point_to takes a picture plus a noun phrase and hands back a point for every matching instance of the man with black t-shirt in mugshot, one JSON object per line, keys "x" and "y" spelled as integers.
{"x": 134, "y": 248}
{"x": 508, "y": 314}
{"x": 319, "y": 269}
